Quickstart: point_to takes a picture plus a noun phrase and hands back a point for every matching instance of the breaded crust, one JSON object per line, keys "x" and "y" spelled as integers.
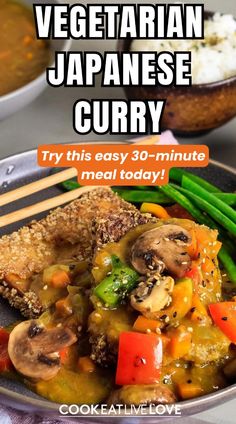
{"x": 70, "y": 232}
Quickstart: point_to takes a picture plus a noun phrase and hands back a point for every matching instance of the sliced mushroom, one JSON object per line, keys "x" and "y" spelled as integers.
{"x": 142, "y": 394}
{"x": 162, "y": 249}
{"x": 152, "y": 295}
{"x": 34, "y": 350}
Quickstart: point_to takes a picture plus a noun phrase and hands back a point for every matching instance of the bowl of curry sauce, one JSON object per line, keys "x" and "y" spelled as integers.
{"x": 23, "y": 57}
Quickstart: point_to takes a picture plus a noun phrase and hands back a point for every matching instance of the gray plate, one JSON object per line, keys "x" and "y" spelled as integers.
{"x": 21, "y": 169}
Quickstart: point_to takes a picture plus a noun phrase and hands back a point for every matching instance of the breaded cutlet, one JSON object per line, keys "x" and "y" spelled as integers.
{"x": 72, "y": 232}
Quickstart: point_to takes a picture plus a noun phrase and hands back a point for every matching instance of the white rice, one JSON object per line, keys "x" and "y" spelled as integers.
{"x": 213, "y": 58}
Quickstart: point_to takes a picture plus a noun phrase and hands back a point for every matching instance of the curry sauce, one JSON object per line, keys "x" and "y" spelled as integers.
{"x": 22, "y": 57}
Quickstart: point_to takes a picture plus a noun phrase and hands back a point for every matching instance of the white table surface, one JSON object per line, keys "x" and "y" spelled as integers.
{"x": 49, "y": 120}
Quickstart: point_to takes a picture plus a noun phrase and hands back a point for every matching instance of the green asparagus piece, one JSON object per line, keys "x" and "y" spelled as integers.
{"x": 117, "y": 285}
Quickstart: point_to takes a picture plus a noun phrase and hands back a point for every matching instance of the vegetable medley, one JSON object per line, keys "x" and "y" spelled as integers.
{"x": 151, "y": 320}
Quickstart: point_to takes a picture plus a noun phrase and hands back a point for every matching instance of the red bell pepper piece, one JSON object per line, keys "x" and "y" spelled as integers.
{"x": 224, "y": 316}
{"x": 5, "y": 362}
{"x": 139, "y": 358}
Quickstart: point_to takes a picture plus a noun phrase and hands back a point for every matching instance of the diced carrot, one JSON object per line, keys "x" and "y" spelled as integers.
{"x": 189, "y": 390}
{"x": 144, "y": 325}
{"x": 154, "y": 209}
{"x": 63, "y": 307}
{"x": 86, "y": 364}
{"x": 64, "y": 354}
{"x": 60, "y": 279}
{"x": 27, "y": 40}
{"x": 180, "y": 342}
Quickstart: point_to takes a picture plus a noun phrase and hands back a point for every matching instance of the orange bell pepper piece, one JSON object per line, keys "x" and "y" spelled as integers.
{"x": 192, "y": 249}
{"x": 216, "y": 248}
{"x": 181, "y": 302}
{"x": 154, "y": 209}
{"x": 208, "y": 266}
{"x": 180, "y": 342}
{"x": 199, "y": 311}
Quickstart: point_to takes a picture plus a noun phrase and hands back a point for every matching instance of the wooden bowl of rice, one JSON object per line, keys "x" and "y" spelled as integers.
{"x": 204, "y": 106}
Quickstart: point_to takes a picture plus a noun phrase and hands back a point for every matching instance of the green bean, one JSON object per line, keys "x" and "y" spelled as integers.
{"x": 135, "y": 196}
{"x": 142, "y": 187}
{"x": 228, "y": 264}
{"x": 139, "y": 196}
{"x": 214, "y": 213}
{"x": 70, "y": 185}
{"x": 176, "y": 174}
{"x": 196, "y": 189}
{"x": 229, "y": 198}
{"x": 182, "y": 200}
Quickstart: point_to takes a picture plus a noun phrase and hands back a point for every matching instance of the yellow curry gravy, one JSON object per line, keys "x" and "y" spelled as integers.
{"x": 22, "y": 57}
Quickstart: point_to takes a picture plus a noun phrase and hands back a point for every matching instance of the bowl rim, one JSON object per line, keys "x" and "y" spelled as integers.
{"x": 44, "y": 405}
{"x": 214, "y": 84}
{"x": 41, "y": 77}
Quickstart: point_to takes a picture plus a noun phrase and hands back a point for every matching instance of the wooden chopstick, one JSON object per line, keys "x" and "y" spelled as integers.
{"x": 51, "y": 203}
{"x": 46, "y": 182}
{"x": 54, "y": 179}
{"x": 36, "y": 186}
